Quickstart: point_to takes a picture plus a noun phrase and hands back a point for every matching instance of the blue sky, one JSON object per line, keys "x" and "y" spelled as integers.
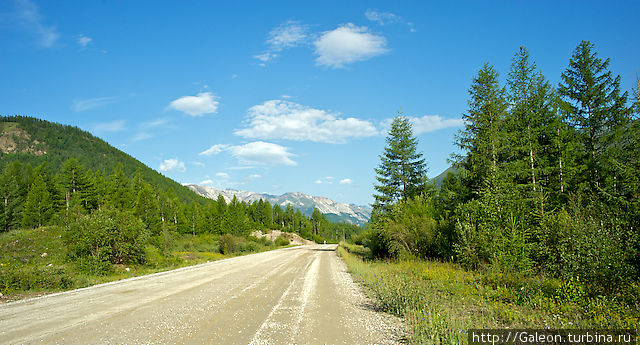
{"x": 283, "y": 96}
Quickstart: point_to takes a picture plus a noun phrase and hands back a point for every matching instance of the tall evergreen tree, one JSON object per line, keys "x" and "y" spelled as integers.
{"x": 481, "y": 137}
{"x": 596, "y": 108}
{"x": 12, "y": 196}
{"x": 402, "y": 169}
{"x": 38, "y": 206}
{"x": 530, "y": 162}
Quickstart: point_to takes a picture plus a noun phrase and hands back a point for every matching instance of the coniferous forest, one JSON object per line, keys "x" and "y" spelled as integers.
{"x": 117, "y": 212}
{"x": 543, "y": 211}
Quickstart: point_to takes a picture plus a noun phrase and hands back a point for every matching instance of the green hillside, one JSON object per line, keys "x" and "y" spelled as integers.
{"x": 440, "y": 178}
{"x": 33, "y": 141}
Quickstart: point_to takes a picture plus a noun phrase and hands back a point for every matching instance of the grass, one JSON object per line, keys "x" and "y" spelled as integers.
{"x": 36, "y": 261}
{"x": 441, "y": 301}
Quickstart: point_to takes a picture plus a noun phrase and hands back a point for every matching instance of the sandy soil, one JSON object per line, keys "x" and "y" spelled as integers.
{"x": 298, "y": 295}
{"x": 294, "y": 239}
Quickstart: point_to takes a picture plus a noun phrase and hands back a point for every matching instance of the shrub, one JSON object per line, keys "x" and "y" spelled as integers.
{"x": 228, "y": 244}
{"x": 106, "y": 236}
{"x": 281, "y": 241}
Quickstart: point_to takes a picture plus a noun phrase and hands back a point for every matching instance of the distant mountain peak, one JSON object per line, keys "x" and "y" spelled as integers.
{"x": 335, "y": 211}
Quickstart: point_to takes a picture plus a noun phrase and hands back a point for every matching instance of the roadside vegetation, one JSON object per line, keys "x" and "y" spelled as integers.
{"x": 538, "y": 226}
{"x": 441, "y": 301}
{"x": 55, "y": 258}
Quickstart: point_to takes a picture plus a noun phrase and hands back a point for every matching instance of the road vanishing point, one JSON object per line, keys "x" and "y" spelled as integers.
{"x": 297, "y": 295}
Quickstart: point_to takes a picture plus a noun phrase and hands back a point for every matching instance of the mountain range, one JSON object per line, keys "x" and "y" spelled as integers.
{"x": 334, "y": 211}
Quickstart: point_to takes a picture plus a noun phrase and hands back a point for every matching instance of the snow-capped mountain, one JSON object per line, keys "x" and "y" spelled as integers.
{"x": 333, "y": 210}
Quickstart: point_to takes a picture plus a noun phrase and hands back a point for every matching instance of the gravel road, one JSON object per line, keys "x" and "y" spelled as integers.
{"x": 299, "y": 295}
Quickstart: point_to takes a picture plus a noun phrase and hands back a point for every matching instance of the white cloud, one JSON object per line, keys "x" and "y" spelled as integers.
{"x": 318, "y": 181}
{"x": 209, "y": 181}
{"x": 214, "y": 150}
{"x": 348, "y": 44}
{"x": 28, "y": 15}
{"x": 113, "y": 126}
{"x": 432, "y": 123}
{"x": 155, "y": 123}
{"x": 287, "y": 35}
{"x": 279, "y": 119}
{"x": 198, "y": 105}
{"x": 425, "y": 124}
{"x": 260, "y": 152}
{"x": 172, "y": 164}
{"x": 141, "y": 136}
{"x": 199, "y": 164}
{"x": 382, "y": 18}
{"x": 266, "y": 57}
{"x": 91, "y": 103}
{"x": 223, "y": 175}
{"x": 346, "y": 181}
{"x": 254, "y": 176}
{"x": 83, "y": 41}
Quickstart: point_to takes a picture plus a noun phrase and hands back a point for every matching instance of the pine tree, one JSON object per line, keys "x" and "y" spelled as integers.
{"x": 402, "y": 169}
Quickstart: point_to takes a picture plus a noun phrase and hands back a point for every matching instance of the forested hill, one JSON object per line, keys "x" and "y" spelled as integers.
{"x": 33, "y": 141}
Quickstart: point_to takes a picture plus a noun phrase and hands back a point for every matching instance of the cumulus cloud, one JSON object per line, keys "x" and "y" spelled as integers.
{"x": 279, "y": 119}
{"x": 382, "y": 18}
{"x": 113, "y": 126}
{"x": 83, "y": 41}
{"x": 324, "y": 180}
{"x": 208, "y": 181}
{"x": 348, "y": 44}
{"x": 287, "y": 35}
{"x": 28, "y": 15}
{"x": 198, "y": 105}
{"x": 173, "y": 164}
{"x": 257, "y": 152}
{"x": 214, "y": 150}
{"x": 346, "y": 181}
{"x": 260, "y": 152}
{"x": 432, "y": 123}
{"x": 426, "y": 124}
{"x": 91, "y": 103}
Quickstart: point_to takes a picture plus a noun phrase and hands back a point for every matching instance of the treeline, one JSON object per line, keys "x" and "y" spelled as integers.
{"x": 38, "y": 141}
{"x": 548, "y": 181}
{"x": 85, "y": 200}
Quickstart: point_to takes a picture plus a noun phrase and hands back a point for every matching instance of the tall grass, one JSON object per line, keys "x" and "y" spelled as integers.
{"x": 441, "y": 301}
{"x": 34, "y": 261}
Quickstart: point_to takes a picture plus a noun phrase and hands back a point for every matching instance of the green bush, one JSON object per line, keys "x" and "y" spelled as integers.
{"x": 106, "y": 237}
{"x": 281, "y": 241}
{"x": 228, "y": 244}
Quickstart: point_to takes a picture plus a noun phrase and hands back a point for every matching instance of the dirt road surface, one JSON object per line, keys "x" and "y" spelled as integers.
{"x": 298, "y": 295}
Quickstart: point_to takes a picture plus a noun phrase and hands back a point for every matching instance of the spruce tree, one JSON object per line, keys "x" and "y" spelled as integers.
{"x": 402, "y": 169}
{"x": 482, "y": 137}
{"x": 596, "y": 108}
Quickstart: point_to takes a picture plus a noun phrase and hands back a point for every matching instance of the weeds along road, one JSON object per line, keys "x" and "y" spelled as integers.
{"x": 298, "y": 295}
